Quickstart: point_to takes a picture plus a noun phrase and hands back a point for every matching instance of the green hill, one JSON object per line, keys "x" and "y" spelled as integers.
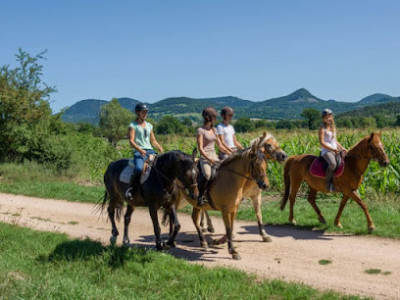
{"x": 286, "y": 107}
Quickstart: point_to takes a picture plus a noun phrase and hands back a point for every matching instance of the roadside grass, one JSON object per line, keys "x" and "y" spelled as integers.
{"x": 43, "y": 265}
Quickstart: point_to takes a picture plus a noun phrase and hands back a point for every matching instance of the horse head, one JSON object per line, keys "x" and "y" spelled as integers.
{"x": 376, "y": 150}
{"x": 258, "y": 167}
{"x": 270, "y": 147}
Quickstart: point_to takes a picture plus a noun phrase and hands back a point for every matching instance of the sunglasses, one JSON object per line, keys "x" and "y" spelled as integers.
{"x": 145, "y": 133}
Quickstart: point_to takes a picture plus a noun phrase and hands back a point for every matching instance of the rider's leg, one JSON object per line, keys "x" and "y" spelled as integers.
{"x": 203, "y": 182}
{"x": 330, "y": 171}
{"x": 135, "y": 179}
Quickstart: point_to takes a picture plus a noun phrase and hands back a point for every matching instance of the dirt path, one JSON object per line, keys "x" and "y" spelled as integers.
{"x": 293, "y": 255}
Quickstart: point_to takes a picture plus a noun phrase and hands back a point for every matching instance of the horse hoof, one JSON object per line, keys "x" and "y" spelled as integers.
{"x": 204, "y": 245}
{"x": 236, "y": 256}
{"x": 165, "y": 246}
{"x": 293, "y": 222}
{"x": 113, "y": 239}
{"x": 371, "y": 229}
{"x": 339, "y": 225}
{"x": 126, "y": 242}
{"x": 204, "y": 229}
{"x": 322, "y": 220}
{"x": 266, "y": 239}
{"x": 211, "y": 229}
{"x": 171, "y": 244}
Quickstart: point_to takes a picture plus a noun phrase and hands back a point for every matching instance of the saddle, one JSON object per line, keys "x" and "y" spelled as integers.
{"x": 319, "y": 165}
{"x": 127, "y": 172}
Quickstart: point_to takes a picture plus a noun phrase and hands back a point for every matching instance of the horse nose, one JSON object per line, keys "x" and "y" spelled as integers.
{"x": 385, "y": 163}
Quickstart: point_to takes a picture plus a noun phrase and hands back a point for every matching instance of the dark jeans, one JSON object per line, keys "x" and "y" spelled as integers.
{"x": 139, "y": 160}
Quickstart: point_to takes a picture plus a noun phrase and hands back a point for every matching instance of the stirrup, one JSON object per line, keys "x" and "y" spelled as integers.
{"x": 129, "y": 193}
{"x": 201, "y": 201}
{"x": 332, "y": 188}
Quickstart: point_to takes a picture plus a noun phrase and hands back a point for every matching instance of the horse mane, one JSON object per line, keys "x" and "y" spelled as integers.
{"x": 261, "y": 139}
{"x": 237, "y": 154}
{"x": 356, "y": 147}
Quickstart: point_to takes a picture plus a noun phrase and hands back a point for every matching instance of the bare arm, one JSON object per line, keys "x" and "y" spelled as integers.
{"x": 132, "y": 142}
{"x": 154, "y": 142}
{"x": 222, "y": 147}
{"x": 221, "y": 137}
{"x": 236, "y": 142}
{"x": 201, "y": 149}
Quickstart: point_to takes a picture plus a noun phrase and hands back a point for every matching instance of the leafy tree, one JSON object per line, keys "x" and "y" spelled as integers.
{"x": 312, "y": 116}
{"x": 244, "y": 125}
{"x": 114, "y": 121}
{"x": 169, "y": 125}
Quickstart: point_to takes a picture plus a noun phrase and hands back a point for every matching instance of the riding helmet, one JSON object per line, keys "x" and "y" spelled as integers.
{"x": 140, "y": 107}
{"x": 227, "y": 111}
{"x": 326, "y": 111}
{"x": 208, "y": 113}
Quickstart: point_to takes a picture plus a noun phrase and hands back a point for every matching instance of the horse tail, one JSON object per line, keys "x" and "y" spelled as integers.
{"x": 286, "y": 178}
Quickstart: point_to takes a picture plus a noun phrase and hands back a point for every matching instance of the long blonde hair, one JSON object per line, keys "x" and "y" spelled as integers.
{"x": 333, "y": 127}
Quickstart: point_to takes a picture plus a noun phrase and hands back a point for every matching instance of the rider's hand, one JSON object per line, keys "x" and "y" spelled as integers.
{"x": 161, "y": 149}
{"x": 143, "y": 153}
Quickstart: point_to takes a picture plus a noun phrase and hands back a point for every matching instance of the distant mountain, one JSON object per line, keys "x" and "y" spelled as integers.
{"x": 88, "y": 111}
{"x": 387, "y": 110}
{"x": 286, "y": 107}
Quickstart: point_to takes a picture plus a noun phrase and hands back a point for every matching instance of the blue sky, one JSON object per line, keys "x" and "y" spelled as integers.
{"x": 256, "y": 50}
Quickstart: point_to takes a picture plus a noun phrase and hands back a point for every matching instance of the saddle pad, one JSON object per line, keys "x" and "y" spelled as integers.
{"x": 319, "y": 165}
{"x": 127, "y": 173}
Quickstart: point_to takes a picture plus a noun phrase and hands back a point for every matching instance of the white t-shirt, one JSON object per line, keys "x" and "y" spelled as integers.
{"x": 228, "y": 132}
{"x": 330, "y": 140}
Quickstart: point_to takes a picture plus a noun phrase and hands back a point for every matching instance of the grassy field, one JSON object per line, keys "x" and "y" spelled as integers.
{"x": 40, "y": 265}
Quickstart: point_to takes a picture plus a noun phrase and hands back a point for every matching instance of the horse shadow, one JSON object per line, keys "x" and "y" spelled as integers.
{"x": 85, "y": 250}
{"x": 297, "y": 232}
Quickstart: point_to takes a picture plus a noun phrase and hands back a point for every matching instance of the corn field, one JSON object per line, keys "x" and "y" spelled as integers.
{"x": 383, "y": 180}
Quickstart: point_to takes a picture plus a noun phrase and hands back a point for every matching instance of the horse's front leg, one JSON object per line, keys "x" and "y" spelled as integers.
{"x": 173, "y": 219}
{"x": 111, "y": 215}
{"x": 227, "y": 216}
{"x": 356, "y": 197}
{"x": 343, "y": 203}
{"x": 156, "y": 226}
{"x": 257, "y": 208}
{"x": 127, "y": 220}
{"x": 195, "y": 218}
{"x": 312, "y": 194}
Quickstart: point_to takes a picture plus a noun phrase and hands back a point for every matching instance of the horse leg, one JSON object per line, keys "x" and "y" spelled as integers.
{"x": 295, "y": 185}
{"x": 127, "y": 220}
{"x": 156, "y": 226}
{"x": 203, "y": 228}
{"x": 356, "y": 197}
{"x": 111, "y": 215}
{"x": 311, "y": 199}
{"x": 195, "y": 218}
{"x": 339, "y": 213}
{"x": 173, "y": 219}
{"x": 210, "y": 226}
{"x": 257, "y": 208}
{"x": 227, "y": 217}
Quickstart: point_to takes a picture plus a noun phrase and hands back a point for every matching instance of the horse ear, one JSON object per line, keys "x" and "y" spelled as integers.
{"x": 254, "y": 148}
{"x": 371, "y": 137}
{"x": 260, "y": 143}
{"x": 194, "y": 153}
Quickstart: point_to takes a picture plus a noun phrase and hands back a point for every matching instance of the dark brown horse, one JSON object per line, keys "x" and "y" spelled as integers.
{"x": 226, "y": 190}
{"x": 272, "y": 151}
{"x": 356, "y": 162}
{"x": 173, "y": 170}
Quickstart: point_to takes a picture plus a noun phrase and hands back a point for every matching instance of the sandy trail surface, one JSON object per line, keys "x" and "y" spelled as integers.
{"x": 293, "y": 254}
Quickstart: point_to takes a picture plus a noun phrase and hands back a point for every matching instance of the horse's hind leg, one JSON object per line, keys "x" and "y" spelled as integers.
{"x": 174, "y": 229}
{"x": 127, "y": 220}
{"x": 228, "y": 221}
{"x": 311, "y": 199}
{"x": 257, "y": 208}
{"x": 195, "y": 218}
{"x": 210, "y": 226}
{"x": 343, "y": 203}
{"x": 111, "y": 215}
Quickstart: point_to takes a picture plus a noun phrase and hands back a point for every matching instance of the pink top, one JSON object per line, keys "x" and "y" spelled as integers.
{"x": 209, "y": 138}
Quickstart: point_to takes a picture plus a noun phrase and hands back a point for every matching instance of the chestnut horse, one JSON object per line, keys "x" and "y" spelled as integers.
{"x": 272, "y": 151}
{"x": 356, "y": 162}
{"x": 225, "y": 191}
{"x": 173, "y": 170}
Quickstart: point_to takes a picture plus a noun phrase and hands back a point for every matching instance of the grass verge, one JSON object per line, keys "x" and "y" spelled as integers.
{"x": 51, "y": 266}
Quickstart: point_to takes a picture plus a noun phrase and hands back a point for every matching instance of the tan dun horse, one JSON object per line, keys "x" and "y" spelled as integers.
{"x": 356, "y": 162}
{"x": 225, "y": 191}
{"x": 272, "y": 151}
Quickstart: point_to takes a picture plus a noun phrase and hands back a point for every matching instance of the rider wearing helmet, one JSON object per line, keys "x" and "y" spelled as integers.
{"x": 207, "y": 136}
{"x": 141, "y": 138}
{"x": 226, "y": 132}
{"x": 331, "y": 148}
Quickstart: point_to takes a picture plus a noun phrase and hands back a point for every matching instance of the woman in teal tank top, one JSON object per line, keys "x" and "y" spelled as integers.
{"x": 141, "y": 138}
